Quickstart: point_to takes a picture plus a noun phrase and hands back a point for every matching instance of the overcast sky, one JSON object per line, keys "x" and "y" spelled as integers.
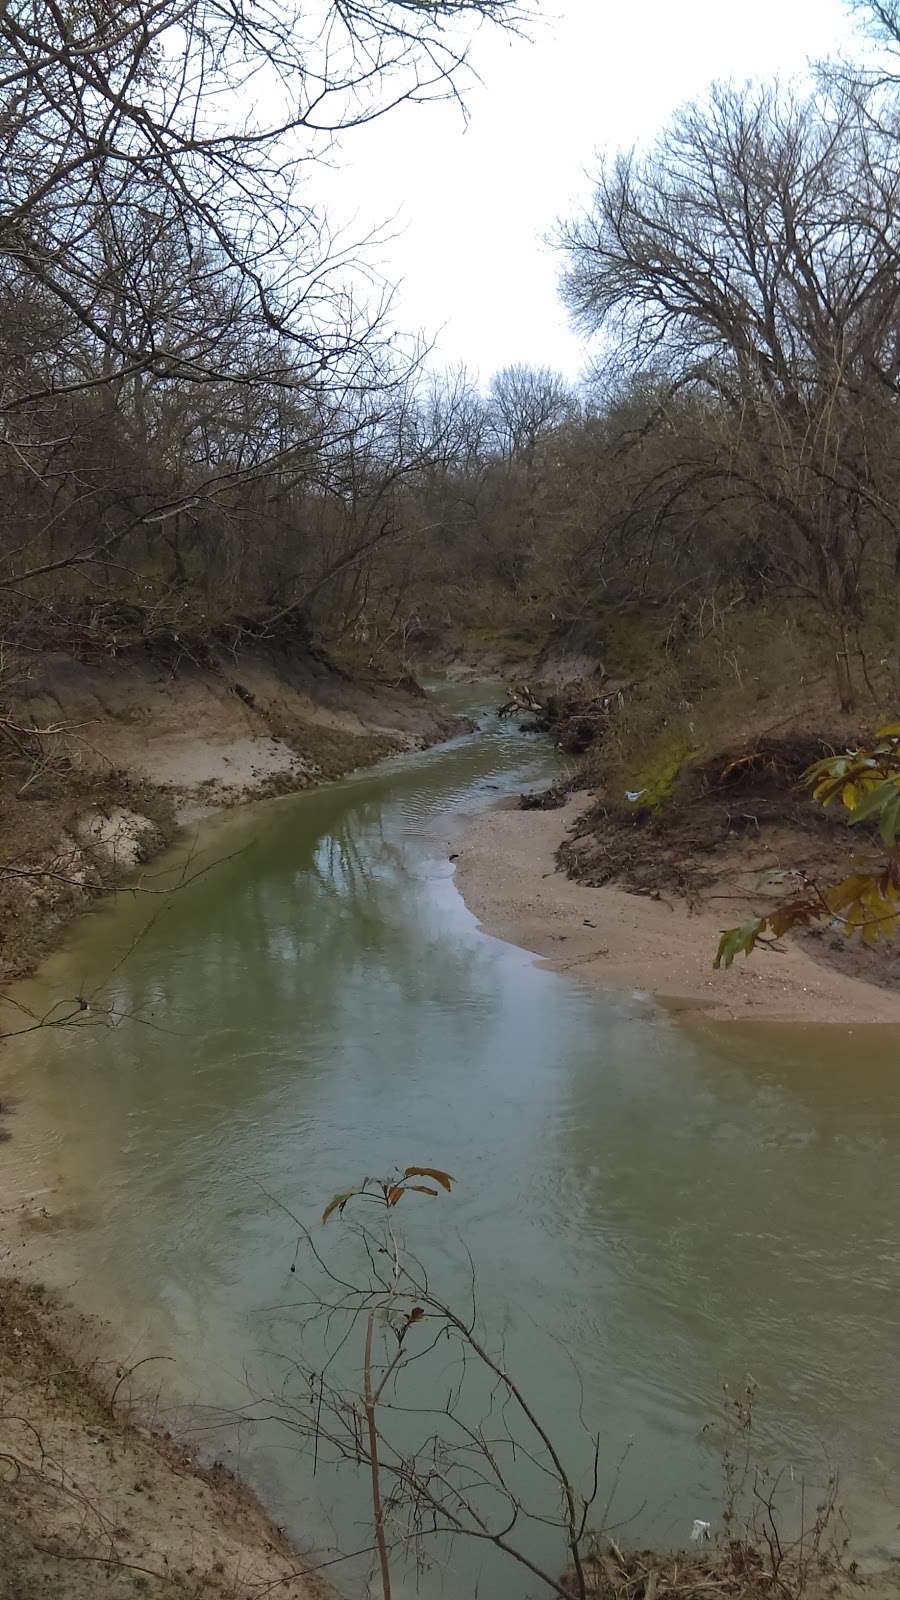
{"x": 474, "y": 203}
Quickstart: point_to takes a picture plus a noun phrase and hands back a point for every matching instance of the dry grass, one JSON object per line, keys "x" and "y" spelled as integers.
{"x": 720, "y": 678}
{"x": 739, "y": 1572}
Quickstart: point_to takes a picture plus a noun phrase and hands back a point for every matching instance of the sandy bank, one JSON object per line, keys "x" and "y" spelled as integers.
{"x": 92, "y": 1504}
{"x": 508, "y": 876}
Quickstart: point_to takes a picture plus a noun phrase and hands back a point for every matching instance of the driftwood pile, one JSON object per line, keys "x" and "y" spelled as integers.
{"x": 520, "y": 700}
{"x": 577, "y": 715}
{"x": 737, "y": 1572}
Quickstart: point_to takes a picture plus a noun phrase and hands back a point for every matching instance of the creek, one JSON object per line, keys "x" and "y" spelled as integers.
{"x": 653, "y": 1206}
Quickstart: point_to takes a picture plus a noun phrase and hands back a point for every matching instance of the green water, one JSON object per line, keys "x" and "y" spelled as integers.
{"x": 659, "y": 1206}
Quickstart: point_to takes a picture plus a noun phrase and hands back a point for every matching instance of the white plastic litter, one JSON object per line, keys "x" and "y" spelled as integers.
{"x": 634, "y": 794}
{"x": 700, "y": 1531}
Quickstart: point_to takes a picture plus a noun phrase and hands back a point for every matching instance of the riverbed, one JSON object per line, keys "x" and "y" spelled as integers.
{"x": 653, "y": 1208}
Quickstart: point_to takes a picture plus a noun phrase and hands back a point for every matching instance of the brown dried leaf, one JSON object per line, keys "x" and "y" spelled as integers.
{"x": 443, "y": 1178}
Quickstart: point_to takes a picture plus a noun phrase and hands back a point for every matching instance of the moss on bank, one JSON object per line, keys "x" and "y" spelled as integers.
{"x": 331, "y": 753}
{"x": 659, "y": 775}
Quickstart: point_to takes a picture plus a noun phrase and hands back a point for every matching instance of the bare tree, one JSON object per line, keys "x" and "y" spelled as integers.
{"x": 153, "y": 221}
{"x": 526, "y": 404}
{"x": 752, "y": 258}
{"x": 200, "y": 116}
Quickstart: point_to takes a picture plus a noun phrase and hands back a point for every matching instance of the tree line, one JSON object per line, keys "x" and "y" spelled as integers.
{"x": 734, "y": 442}
{"x": 206, "y": 419}
{"x": 208, "y": 422}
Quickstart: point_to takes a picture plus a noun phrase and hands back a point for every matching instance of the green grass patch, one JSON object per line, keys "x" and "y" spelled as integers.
{"x": 657, "y": 780}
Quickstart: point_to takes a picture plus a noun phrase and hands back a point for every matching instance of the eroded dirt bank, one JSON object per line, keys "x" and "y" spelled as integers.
{"x": 92, "y": 1504}
{"x": 211, "y": 727}
{"x": 107, "y": 759}
{"x": 509, "y": 876}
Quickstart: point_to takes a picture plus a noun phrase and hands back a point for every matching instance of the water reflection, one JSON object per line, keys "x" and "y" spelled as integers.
{"x": 666, "y": 1204}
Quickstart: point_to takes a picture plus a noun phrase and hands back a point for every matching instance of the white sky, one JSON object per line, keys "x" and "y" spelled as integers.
{"x": 473, "y": 204}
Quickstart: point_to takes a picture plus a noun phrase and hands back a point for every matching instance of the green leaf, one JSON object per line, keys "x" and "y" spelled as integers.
{"x": 736, "y": 940}
{"x": 890, "y": 821}
{"x": 830, "y": 767}
{"x": 852, "y": 795}
{"x": 874, "y": 800}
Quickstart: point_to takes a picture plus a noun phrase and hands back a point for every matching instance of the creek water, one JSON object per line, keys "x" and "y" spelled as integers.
{"x": 653, "y": 1207}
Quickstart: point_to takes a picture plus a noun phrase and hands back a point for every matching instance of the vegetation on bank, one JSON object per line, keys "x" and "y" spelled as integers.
{"x": 867, "y": 783}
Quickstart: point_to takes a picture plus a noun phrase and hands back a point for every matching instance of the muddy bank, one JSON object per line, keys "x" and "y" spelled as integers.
{"x": 131, "y": 747}
{"x": 92, "y": 1503}
{"x": 509, "y": 876}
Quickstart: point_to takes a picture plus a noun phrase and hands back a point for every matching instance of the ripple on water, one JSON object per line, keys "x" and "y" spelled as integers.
{"x": 658, "y": 1210}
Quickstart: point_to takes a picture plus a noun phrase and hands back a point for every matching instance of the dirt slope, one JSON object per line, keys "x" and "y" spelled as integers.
{"x": 92, "y": 1505}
